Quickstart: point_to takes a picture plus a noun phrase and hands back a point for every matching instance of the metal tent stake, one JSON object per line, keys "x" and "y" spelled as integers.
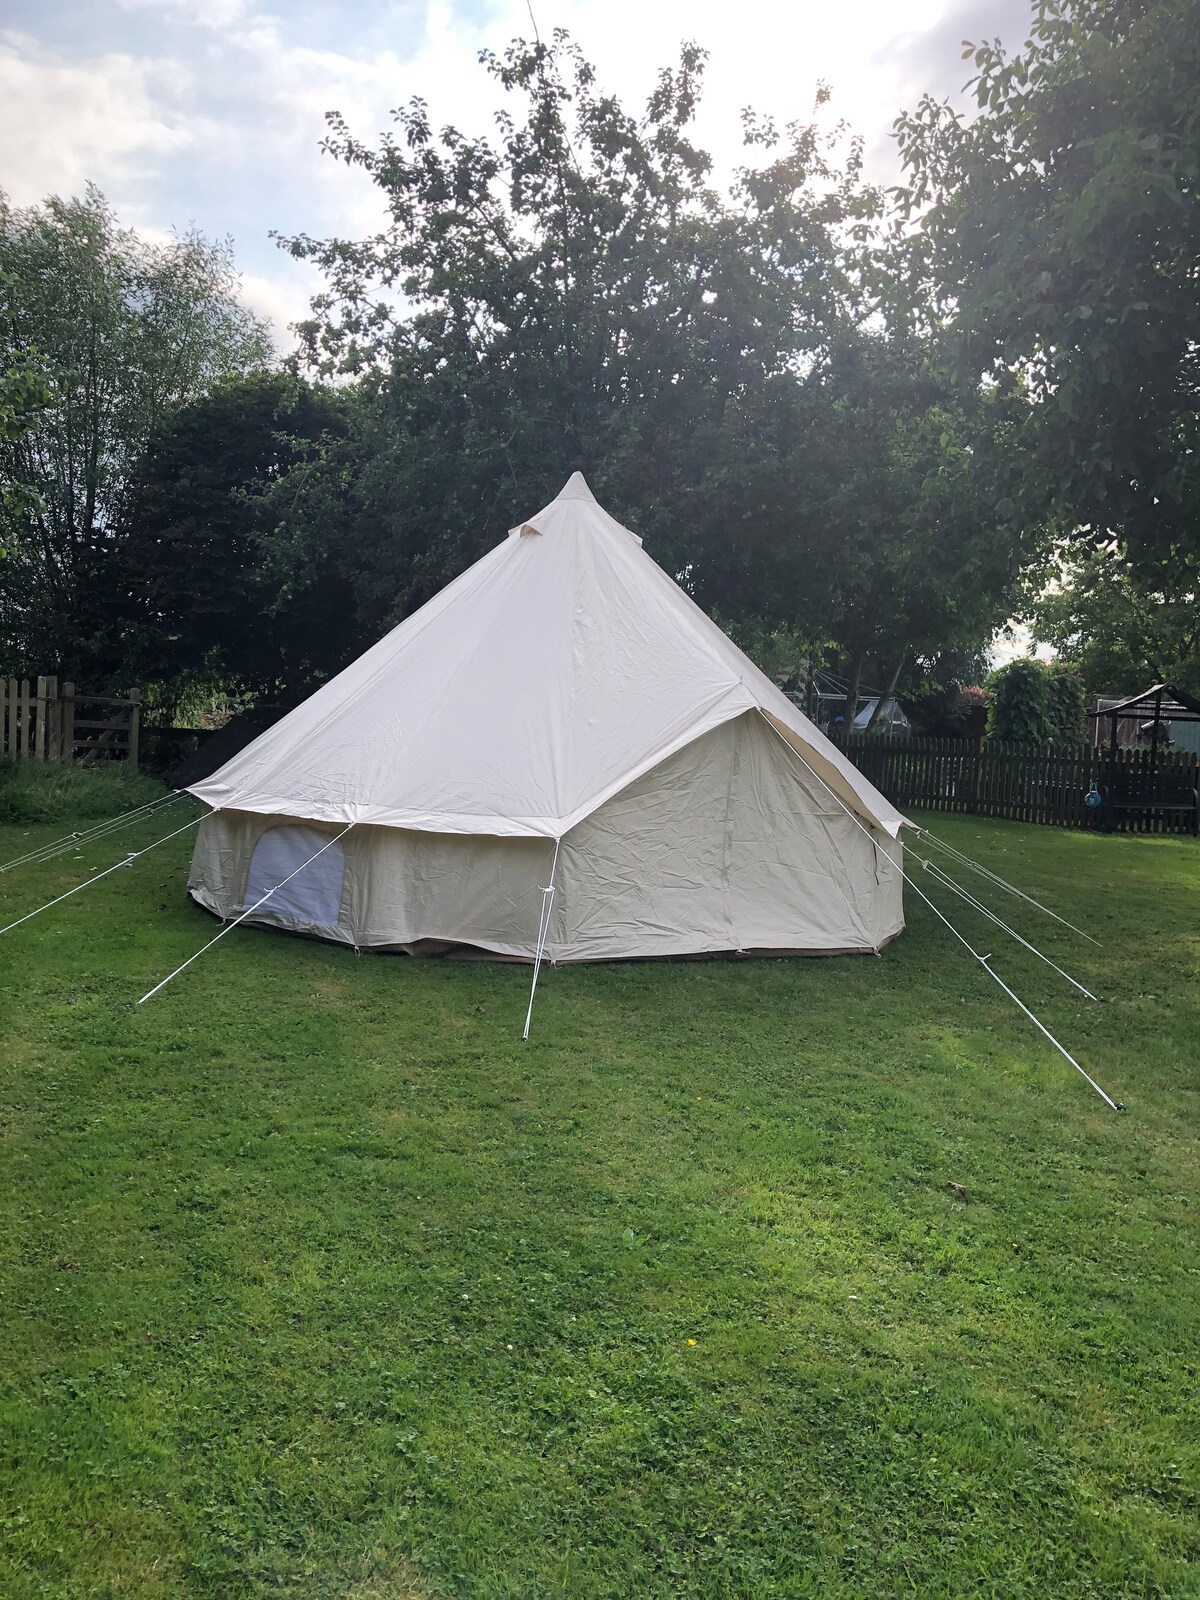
{"x": 543, "y": 931}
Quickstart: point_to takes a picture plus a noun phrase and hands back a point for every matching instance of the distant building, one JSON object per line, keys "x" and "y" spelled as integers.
{"x": 1178, "y": 724}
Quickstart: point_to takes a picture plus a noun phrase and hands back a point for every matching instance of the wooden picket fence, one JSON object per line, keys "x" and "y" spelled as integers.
{"x": 1026, "y": 784}
{"x": 43, "y": 720}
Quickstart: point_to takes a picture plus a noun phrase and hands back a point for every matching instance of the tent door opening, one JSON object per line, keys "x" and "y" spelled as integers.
{"x": 314, "y": 897}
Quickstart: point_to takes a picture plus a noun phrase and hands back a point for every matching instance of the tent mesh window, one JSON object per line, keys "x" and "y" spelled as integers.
{"x": 313, "y": 899}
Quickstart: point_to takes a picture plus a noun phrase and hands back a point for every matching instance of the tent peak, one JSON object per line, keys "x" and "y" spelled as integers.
{"x": 576, "y": 488}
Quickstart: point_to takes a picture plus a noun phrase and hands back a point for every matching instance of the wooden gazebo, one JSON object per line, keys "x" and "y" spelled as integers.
{"x": 1146, "y": 779}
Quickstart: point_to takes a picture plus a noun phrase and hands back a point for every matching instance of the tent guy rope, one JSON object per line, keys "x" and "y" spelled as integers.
{"x": 248, "y": 912}
{"x": 983, "y": 960}
{"x": 100, "y": 835}
{"x": 1001, "y": 883}
{"x": 133, "y": 856}
{"x": 92, "y": 835}
{"x": 956, "y": 888}
{"x": 543, "y": 930}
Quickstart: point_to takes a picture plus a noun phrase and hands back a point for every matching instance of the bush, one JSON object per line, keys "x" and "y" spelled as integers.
{"x": 1035, "y": 702}
{"x": 42, "y": 791}
{"x": 1065, "y": 704}
{"x": 1018, "y": 711}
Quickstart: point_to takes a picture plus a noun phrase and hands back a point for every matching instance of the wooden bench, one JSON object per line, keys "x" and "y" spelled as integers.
{"x": 1156, "y": 793}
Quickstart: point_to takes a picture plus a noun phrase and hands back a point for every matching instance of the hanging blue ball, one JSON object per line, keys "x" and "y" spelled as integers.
{"x": 1093, "y": 797}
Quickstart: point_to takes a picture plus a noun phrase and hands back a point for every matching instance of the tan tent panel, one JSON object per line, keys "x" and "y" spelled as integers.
{"x": 563, "y": 689}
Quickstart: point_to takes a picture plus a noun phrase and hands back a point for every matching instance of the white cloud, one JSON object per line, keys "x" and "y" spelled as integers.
{"x": 219, "y": 123}
{"x": 281, "y": 297}
{"x": 62, "y": 123}
{"x": 219, "y": 13}
{"x": 1016, "y": 641}
{"x": 762, "y": 54}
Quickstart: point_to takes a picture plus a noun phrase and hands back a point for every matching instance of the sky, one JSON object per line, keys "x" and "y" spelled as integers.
{"x": 209, "y": 113}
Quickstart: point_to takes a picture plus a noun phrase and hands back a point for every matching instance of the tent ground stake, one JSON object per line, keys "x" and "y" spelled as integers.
{"x": 543, "y": 930}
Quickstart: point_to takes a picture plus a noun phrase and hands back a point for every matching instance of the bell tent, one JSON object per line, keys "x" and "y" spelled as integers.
{"x": 560, "y": 716}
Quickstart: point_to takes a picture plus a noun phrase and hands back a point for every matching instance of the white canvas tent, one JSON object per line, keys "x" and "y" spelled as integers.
{"x": 891, "y": 719}
{"x": 562, "y": 707}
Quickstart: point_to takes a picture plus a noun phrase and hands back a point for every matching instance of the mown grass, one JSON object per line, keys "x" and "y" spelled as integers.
{"x": 318, "y": 1283}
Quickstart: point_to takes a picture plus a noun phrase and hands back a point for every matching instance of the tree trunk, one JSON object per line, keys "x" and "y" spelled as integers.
{"x": 855, "y": 678}
{"x": 885, "y": 699}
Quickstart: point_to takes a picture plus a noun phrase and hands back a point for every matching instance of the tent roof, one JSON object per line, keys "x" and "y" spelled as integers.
{"x": 541, "y": 682}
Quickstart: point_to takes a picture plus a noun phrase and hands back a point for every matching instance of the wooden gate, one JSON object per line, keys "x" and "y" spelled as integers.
{"x": 46, "y": 721}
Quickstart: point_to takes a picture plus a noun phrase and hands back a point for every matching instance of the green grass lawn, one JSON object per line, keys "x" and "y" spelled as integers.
{"x": 318, "y": 1282}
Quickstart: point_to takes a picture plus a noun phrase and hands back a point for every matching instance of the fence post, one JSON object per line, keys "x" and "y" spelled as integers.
{"x": 23, "y": 720}
{"x": 51, "y": 709}
{"x": 66, "y": 731}
{"x": 8, "y": 715}
{"x": 39, "y": 721}
{"x": 135, "y": 709}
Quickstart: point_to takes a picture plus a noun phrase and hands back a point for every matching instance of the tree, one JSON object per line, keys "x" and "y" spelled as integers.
{"x": 126, "y": 330}
{"x": 575, "y": 293}
{"x": 1056, "y": 242}
{"x": 944, "y": 698}
{"x": 196, "y": 587}
{"x": 903, "y": 487}
{"x": 24, "y": 395}
{"x": 1066, "y": 721}
{"x": 784, "y": 654}
{"x": 1122, "y": 627}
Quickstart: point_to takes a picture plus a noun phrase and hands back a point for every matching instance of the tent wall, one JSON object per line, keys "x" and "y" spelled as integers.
{"x": 401, "y": 890}
{"x": 730, "y": 844}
